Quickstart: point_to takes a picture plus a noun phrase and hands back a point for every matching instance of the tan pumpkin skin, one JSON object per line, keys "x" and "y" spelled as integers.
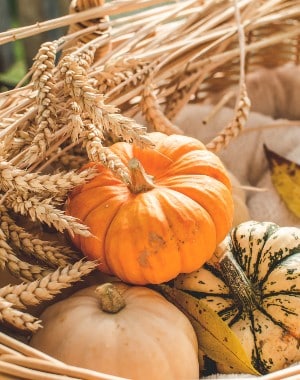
{"x": 148, "y": 339}
{"x": 153, "y": 235}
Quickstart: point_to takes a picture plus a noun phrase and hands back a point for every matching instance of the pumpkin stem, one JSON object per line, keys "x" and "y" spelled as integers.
{"x": 238, "y": 282}
{"x": 140, "y": 180}
{"x": 110, "y": 298}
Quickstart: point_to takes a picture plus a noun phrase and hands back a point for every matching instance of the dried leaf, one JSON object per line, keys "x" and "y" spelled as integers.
{"x": 285, "y": 176}
{"x": 215, "y": 338}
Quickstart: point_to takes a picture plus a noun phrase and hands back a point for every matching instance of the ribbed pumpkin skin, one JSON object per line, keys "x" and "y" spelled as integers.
{"x": 152, "y": 236}
{"x": 269, "y": 328}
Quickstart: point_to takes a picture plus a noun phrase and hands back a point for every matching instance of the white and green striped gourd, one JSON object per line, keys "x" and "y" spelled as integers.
{"x": 253, "y": 283}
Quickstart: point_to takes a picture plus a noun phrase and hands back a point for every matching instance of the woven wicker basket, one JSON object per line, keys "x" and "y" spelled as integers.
{"x": 146, "y": 56}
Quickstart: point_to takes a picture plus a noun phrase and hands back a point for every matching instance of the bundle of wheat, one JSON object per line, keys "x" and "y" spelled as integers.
{"x": 82, "y": 94}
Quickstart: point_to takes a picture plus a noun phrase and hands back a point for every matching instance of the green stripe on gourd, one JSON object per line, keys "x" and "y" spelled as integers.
{"x": 254, "y": 286}
{"x": 248, "y": 243}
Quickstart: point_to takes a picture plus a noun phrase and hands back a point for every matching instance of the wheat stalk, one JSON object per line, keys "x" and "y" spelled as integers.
{"x": 243, "y": 103}
{"x": 154, "y": 115}
{"x": 44, "y": 84}
{"x": 42, "y": 210}
{"x": 46, "y": 288}
{"x": 12, "y": 178}
{"x": 73, "y": 109}
{"x": 81, "y": 5}
{"x": 19, "y": 268}
{"x": 104, "y": 116}
{"x": 69, "y": 161}
{"x": 51, "y": 253}
{"x": 16, "y": 318}
{"x": 98, "y": 153}
{"x": 234, "y": 127}
{"x": 121, "y": 75}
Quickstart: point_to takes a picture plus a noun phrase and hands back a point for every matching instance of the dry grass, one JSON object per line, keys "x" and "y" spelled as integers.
{"x": 70, "y": 109}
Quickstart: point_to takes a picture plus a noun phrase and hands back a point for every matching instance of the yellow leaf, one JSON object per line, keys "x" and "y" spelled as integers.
{"x": 285, "y": 176}
{"x": 215, "y": 338}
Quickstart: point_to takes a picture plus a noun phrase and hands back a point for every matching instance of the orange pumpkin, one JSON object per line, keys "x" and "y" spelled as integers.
{"x": 166, "y": 222}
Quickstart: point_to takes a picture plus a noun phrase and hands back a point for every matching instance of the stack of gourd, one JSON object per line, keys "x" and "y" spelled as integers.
{"x": 168, "y": 220}
{"x": 153, "y": 218}
{"x": 174, "y": 217}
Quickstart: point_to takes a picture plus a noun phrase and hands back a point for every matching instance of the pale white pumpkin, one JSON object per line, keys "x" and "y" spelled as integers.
{"x": 147, "y": 338}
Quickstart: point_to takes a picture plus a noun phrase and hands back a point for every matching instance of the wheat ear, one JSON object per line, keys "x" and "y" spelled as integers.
{"x": 21, "y": 181}
{"x": 43, "y": 211}
{"x": 51, "y": 253}
{"x": 234, "y": 127}
{"x": 19, "y": 268}
{"x": 98, "y": 153}
{"x": 16, "y": 318}
{"x": 153, "y": 114}
{"x": 103, "y": 116}
{"x": 242, "y": 107}
{"x": 44, "y": 289}
{"x": 121, "y": 75}
{"x": 44, "y": 84}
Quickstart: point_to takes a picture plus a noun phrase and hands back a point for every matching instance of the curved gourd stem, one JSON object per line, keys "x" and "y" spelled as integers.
{"x": 238, "y": 282}
{"x": 140, "y": 180}
{"x": 110, "y": 299}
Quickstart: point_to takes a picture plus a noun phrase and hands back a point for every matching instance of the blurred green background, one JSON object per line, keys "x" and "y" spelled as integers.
{"x": 16, "y": 57}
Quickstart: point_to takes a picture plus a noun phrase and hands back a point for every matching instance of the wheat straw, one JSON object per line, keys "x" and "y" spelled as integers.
{"x": 44, "y": 289}
{"x": 71, "y": 109}
{"x": 242, "y": 107}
